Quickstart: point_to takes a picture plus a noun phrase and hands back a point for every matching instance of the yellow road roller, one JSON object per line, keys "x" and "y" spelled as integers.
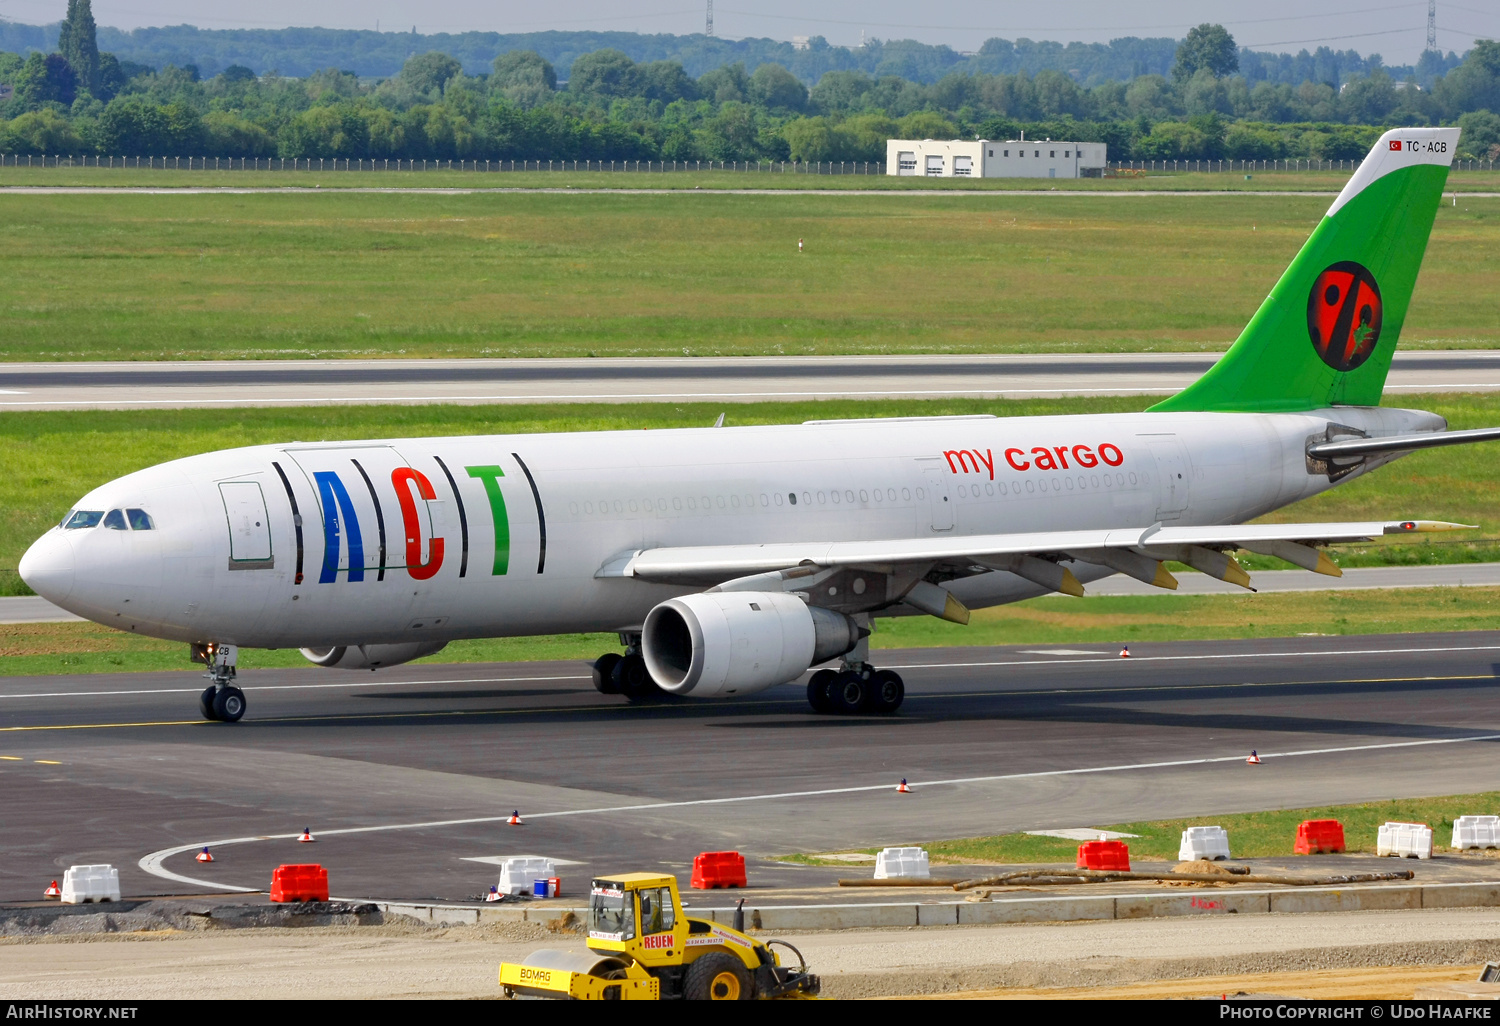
{"x": 643, "y": 947}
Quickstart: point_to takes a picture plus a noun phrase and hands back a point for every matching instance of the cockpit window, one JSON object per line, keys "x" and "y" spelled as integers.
{"x": 115, "y": 520}
{"x": 84, "y": 518}
{"x": 140, "y": 520}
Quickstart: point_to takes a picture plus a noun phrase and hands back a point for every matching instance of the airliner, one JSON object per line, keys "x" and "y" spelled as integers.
{"x": 729, "y": 560}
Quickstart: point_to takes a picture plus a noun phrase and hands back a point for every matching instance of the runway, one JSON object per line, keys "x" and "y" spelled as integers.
{"x": 125, "y": 385}
{"x": 406, "y": 776}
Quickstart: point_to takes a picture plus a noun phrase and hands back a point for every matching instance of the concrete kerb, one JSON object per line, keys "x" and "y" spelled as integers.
{"x": 1029, "y": 908}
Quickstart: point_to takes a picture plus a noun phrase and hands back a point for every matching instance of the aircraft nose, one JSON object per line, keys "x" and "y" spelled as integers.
{"x": 47, "y": 568}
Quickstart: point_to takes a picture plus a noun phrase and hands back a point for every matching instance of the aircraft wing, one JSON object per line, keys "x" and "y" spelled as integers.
{"x": 1037, "y": 556}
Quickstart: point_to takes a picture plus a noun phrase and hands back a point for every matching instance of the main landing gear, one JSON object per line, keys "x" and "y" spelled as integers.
{"x": 856, "y": 688}
{"x": 616, "y": 674}
{"x": 221, "y": 700}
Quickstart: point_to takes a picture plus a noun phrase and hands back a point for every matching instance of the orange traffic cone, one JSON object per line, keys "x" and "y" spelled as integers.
{"x": 1125, "y": 652}
{"x": 52, "y": 893}
{"x": 204, "y": 856}
{"x": 515, "y": 818}
{"x": 306, "y": 838}
{"x": 901, "y": 788}
{"x": 1254, "y": 759}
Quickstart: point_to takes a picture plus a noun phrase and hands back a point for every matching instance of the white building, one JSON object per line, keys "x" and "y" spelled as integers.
{"x": 1016, "y": 158}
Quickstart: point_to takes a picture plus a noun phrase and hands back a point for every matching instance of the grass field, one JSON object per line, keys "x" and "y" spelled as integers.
{"x": 134, "y": 276}
{"x": 27, "y": 649}
{"x": 1251, "y": 835}
{"x": 49, "y": 459}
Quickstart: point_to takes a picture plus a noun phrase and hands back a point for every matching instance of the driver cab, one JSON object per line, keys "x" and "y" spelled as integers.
{"x": 637, "y": 913}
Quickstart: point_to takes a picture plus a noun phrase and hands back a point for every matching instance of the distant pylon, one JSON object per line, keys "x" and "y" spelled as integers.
{"x": 1431, "y": 22}
{"x": 709, "y": 27}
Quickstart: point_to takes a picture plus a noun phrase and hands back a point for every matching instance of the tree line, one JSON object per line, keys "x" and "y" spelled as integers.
{"x": 611, "y": 107}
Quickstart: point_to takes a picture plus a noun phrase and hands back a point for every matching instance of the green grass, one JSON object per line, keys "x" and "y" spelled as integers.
{"x": 27, "y": 649}
{"x": 133, "y": 276}
{"x": 1251, "y": 834}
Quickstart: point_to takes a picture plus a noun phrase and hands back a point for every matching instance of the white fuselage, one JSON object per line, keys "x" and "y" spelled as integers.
{"x": 463, "y": 519}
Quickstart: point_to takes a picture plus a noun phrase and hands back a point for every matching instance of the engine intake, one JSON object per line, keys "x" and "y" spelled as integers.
{"x": 739, "y": 642}
{"x": 371, "y": 657}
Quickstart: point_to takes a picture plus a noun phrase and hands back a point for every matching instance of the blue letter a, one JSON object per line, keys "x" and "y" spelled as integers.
{"x": 335, "y": 498}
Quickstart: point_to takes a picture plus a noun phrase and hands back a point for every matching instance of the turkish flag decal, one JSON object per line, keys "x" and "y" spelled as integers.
{"x": 1395, "y": 144}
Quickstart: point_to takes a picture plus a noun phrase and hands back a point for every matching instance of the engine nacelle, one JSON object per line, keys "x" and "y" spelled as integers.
{"x": 371, "y": 657}
{"x": 738, "y": 642}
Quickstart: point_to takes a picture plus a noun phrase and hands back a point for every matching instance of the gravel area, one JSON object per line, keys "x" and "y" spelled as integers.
{"x": 406, "y": 959}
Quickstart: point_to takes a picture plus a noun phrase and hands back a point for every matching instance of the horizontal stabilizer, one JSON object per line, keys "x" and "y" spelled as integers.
{"x": 1349, "y": 448}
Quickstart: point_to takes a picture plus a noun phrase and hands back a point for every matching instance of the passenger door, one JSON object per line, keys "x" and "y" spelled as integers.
{"x": 249, "y": 525}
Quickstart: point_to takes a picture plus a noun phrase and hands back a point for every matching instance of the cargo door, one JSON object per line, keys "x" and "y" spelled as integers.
{"x": 939, "y": 499}
{"x": 249, "y": 525}
{"x": 1173, "y": 476}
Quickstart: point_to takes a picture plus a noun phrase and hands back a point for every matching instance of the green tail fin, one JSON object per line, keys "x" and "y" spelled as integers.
{"x": 1326, "y": 333}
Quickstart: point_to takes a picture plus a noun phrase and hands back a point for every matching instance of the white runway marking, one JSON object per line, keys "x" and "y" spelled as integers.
{"x": 1179, "y": 658}
{"x": 294, "y": 687}
{"x": 1092, "y": 657}
{"x": 153, "y": 863}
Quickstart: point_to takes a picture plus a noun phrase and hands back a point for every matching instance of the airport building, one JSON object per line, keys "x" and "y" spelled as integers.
{"x": 1015, "y": 158}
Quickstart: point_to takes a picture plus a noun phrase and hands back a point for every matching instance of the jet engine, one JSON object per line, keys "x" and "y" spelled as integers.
{"x": 371, "y": 657}
{"x": 738, "y": 642}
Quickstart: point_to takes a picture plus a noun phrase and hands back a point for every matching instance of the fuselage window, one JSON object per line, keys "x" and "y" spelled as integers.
{"x": 906, "y": 494}
{"x": 1094, "y": 480}
{"x": 140, "y": 520}
{"x": 634, "y": 506}
{"x": 963, "y": 492}
{"x": 878, "y": 496}
{"x": 848, "y": 494}
{"x": 765, "y": 500}
{"x": 822, "y": 497}
{"x": 989, "y": 489}
{"x": 661, "y": 505}
{"x": 619, "y": 506}
{"x": 864, "y": 496}
{"x": 1120, "y": 479}
{"x": 1030, "y": 487}
{"x": 721, "y": 501}
{"x": 749, "y": 502}
{"x": 115, "y": 521}
{"x": 84, "y": 518}
{"x": 780, "y": 500}
{"x": 790, "y": 497}
{"x": 920, "y": 493}
{"x": 709, "y": 505}
{"x": 890, "y": 493}
{"x": 1001, "y": 486}
{"x": 734, "y": 500}
{"x": 1107, "y": 481}
{"x": 573, "y": 508}
{"x": 834, "y": 495}
{"x": 807, "y": 498}
{"x": 1132, "y": 478}
{"x": 1069, "y": 481}
{"x": 588, "y": 507}
{"x": 677, "y": 503}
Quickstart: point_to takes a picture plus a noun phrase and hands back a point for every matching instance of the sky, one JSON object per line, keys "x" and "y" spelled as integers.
{"x": 1397, "y": 31}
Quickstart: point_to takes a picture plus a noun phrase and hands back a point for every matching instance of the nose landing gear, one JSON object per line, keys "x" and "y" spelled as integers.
{"x": 221, "y": 700}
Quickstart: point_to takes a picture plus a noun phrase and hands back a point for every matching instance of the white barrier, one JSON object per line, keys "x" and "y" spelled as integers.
{"x": 1476, "y": 832}
{"x": 90, "y": 883}
{"x": 1204, "y": 842}
{"x": 898, "y": 862}
{"x": 1408, "y": 840}
{"x": 517, "y": 874}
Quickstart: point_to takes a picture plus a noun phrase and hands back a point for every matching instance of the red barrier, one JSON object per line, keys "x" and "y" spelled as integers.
{"x": 1110, "y": 855}
{"x": 299, "y": 883}
{"x": 718, "y": 869}
{"x": 1319, "y": 835}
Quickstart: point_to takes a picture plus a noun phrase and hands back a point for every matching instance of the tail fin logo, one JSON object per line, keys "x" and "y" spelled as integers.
{"x": 1343, "y": 315}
